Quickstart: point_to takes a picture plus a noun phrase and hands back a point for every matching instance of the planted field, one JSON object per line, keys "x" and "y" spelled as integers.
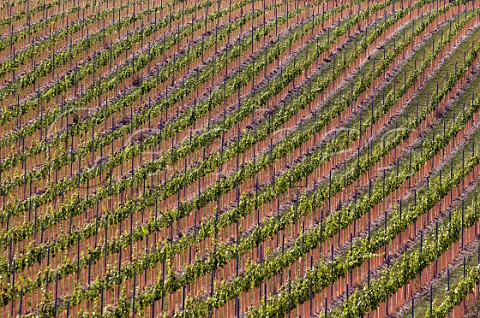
{"x": 240, "y": 158}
